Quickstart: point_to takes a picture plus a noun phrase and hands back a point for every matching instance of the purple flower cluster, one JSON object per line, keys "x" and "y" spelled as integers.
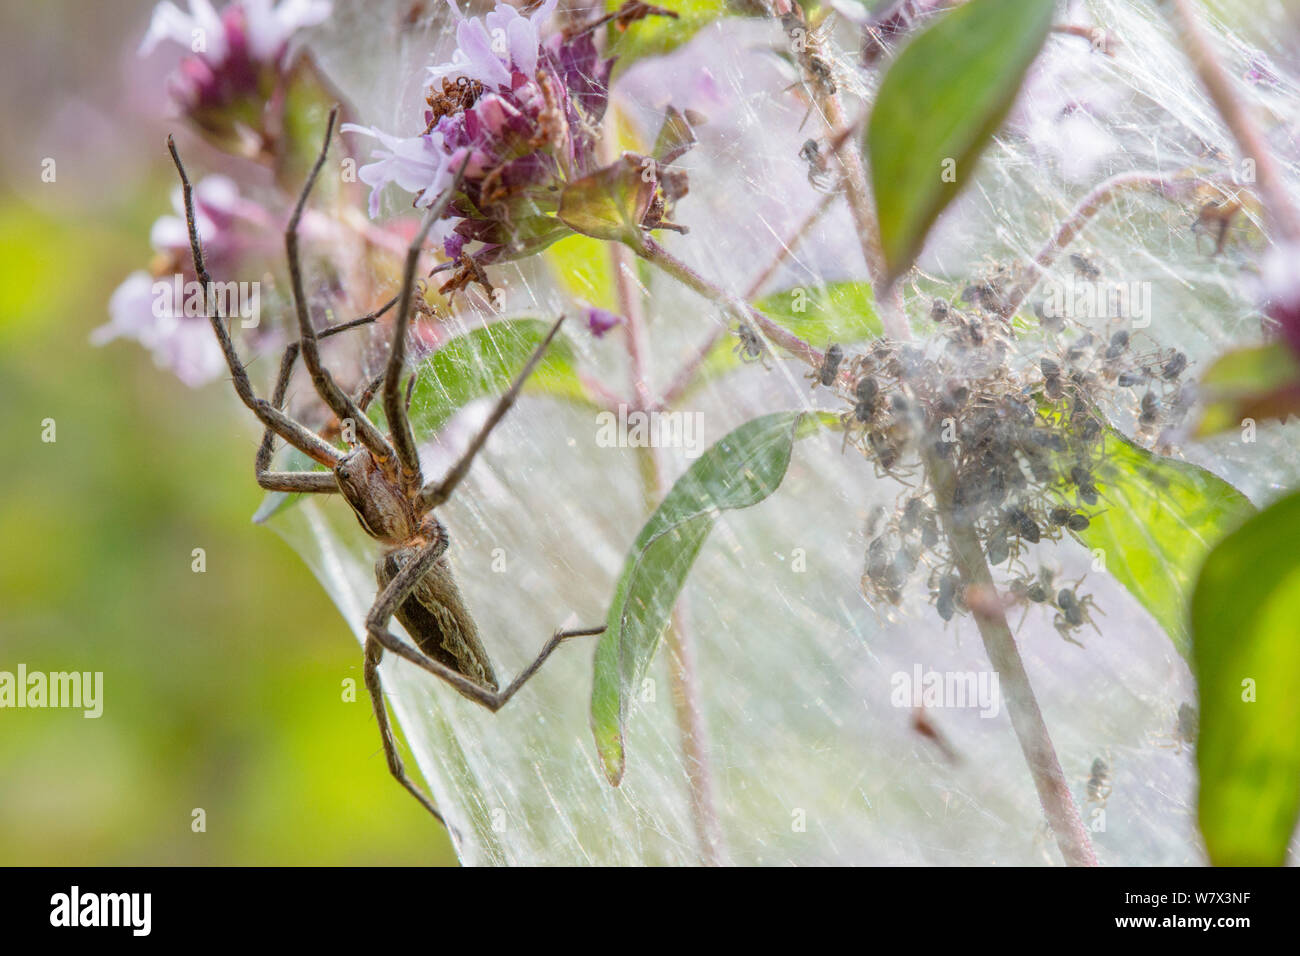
{"x": 181, "y": 342}
{"x": 521, "y": 113}
{"x": 236, "y": 63}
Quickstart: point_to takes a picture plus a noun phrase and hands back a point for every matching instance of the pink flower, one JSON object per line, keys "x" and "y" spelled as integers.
{"x": 600, "y": 321}
{"x": 237, "y": 62}
{"x": 184, "y": 345}
{"x": 522, "y": 111}
{"x": 142, "y": 307}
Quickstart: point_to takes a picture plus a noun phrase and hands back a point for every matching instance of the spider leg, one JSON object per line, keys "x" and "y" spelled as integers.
{"x": 333, "y": 396}
{"x": 399, "y": 425}
{"x": 288, "y": 429}
{"x": 432, "y": 495}
{"x": 374, "y": 654}
{"x": 303, "y": 481}
{"x": 400, "y": 587}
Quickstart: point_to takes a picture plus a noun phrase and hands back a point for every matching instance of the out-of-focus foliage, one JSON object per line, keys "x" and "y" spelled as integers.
{"x": 1259, "y": 382}
{"x": 656, "y": 35}
{"x": 1247, "y": 658}
{"x": 941, "y": 100}
{"x": 222, "y": 690}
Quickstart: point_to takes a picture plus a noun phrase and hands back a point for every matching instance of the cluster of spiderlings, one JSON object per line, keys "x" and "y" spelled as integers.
{"x": 1016, "y": 420}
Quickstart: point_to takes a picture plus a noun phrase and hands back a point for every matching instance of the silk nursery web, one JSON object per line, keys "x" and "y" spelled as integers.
{"x": 815, "y": 740}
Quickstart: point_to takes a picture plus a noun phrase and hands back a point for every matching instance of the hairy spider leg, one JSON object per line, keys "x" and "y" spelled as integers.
{"x": 334, "y": 397}
{"x": 291, "y": 431}
{"x": 434, "y": 494}
{"x": 380, "y": 639}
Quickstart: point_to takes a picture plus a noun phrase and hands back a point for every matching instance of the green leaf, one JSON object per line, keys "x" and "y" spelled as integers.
{"x": 1246, "y": 627}
{"x": 610, "y": 203}
{"x": 1159, "y": 519}
{"x": 843, "y": 312}
{"x": 483, "y": 362}
{"x": 657, "y": 35}
{"x": 940, "y": 102}
{"x": 1259, "y": 383}
{"x": 582, "y": 266}
{"x": 740, "y": 470}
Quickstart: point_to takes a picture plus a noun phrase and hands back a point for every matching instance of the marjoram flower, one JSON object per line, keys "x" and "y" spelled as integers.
{"x": 145, "y": 306}
{"x": 239, "y": 60}
{"x": 522, "y": 115}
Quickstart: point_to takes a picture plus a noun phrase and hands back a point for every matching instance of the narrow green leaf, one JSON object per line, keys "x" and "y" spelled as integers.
{"x": 740, "y": 470}
{"x": 1159, "y": 519}
{"x": 939, "y": 104}
{"x": 1246, "y": 655}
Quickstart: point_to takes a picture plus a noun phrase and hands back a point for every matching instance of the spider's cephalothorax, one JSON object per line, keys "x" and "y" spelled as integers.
{"x": 380, "y": 479}
{"x": 384, "y": 510}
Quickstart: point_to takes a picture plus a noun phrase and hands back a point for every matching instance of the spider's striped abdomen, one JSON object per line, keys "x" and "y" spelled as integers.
{"x": 437, "y": 619}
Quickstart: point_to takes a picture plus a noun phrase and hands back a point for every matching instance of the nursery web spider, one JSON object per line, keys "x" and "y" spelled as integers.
{"x": 380, "y": 478}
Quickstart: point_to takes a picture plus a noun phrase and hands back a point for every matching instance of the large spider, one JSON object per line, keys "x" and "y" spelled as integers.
{"x": 380, "y": 478}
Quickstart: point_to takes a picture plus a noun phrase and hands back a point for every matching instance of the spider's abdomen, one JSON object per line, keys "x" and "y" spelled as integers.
{"x": 437, "y": 619}
{"x": 383, "y": 510}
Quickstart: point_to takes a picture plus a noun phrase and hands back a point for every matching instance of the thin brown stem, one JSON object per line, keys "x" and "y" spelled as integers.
{"x": 691, "y": 367}
{"x": 856, "y": 189}
{"x": 629, "y": 301}
{"x": 742, "y": 311}
{"x": 680, "y": 644}
{"x": 1272, "y": 188}
{"x": 1088, "y": 207}
{"x": 679, "y": 640}
{"x": 1000, "y": 645}
{"x": 788, "y": 246}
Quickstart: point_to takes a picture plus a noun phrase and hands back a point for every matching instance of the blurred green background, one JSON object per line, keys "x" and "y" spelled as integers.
{"x": 222, "y": 690}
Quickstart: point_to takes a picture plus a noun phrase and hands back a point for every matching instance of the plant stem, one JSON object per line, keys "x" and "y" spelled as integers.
{"x": 691, "y": 367}
{"x": 999, "y": 643}
{"x": 742, "y": 311}
{"x": 679, "y": 640}
{"x": 863, "y": 209}
{"x": 855, "y": 188}
{"x": 685, "y": 690}
{"x": 1082, "y": 214}
{"x": 629, "y": 303}
{"x": 1272, "y": 187}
